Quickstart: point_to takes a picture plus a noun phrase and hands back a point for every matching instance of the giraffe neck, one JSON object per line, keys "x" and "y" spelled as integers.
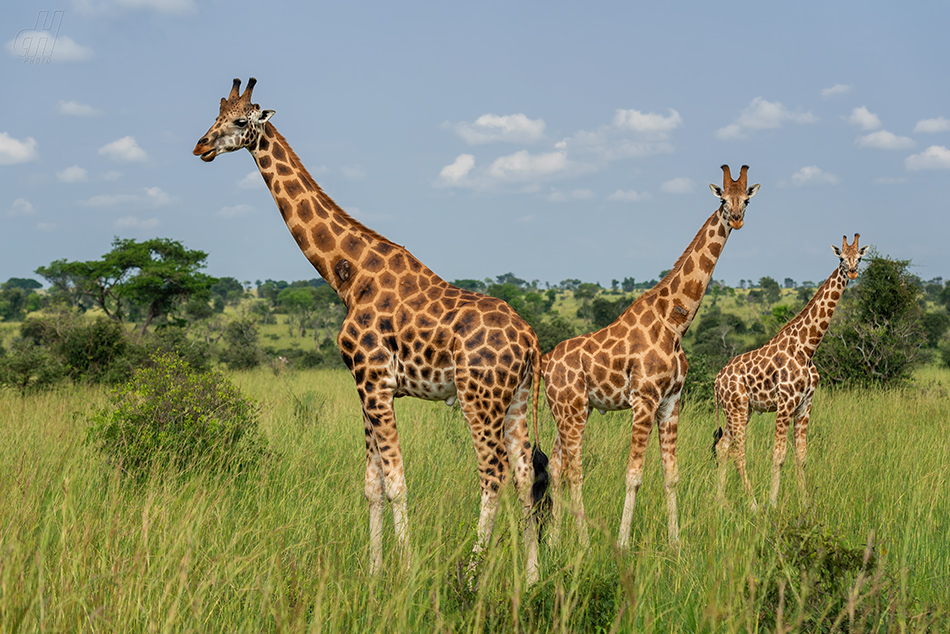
{"x": 336, "y": 244}
{"x": 678, "y": 295}
{"x": 807, "y": 329}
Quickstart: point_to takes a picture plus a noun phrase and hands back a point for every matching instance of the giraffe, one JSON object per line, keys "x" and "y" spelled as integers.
{"x": 637, "y": 363}
{"x": 407, "y": 332}
{"x": 780, "y": 377}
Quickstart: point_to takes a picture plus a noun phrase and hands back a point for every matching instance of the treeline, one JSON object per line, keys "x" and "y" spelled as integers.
{"x": 99, "y": 319}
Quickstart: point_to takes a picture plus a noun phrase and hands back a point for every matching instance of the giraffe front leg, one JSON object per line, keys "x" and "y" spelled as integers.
{"x": 801, "y": 439}
{"x": 739, "y": 424}
{"x": 667, "y": 428}
{"x": 643, "y": 417}
{"x": 385, "y": 475}
{"x": 783, "y": 419}
{"x": 374, "y": 490}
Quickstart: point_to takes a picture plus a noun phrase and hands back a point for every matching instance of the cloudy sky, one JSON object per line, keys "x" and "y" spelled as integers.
{"x": 549, "y": 139}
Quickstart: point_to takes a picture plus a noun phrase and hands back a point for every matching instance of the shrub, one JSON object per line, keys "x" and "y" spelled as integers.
{"x": 820, "y": 583}
{"x": 28, "y": 367}
{"x": 242, "y": 350}
{"x": 171, "y": 414}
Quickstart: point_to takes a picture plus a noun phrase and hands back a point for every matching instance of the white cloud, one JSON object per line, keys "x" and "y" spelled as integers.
{"x": 240, "y": 209}
{"x": 112, "y": 175}
{"x": 763, "y": 115}
{"x": 74, "y": 174}
{"x": 21, "y": 207}
{"x": 677, "y": 186}
{"x": 647, "y": 123}
{"x": 836, "y": 91}
{"x": 126, "y": 150}
{"x": 523, "y": 166}
{"x": 132, "y": 222}
{"x": 813, "y": 175}
{"x": 936, "y": 157}
{"x": 884, "y": 140}
{"x": 76, "y": 109}
{"x": 47, "y": 45}
{"x": 45, "y": 226}
{"x": 148, "y": 197}
{"x": 940, "y": 124}
{"x": 253, "y": 180}
{"x": 456, "y": 172}
{"x": 864, "y": 119}
{"x": 489, "y": 128}
{"x": 16, "y": 151}
{"x": 629, "y": 196}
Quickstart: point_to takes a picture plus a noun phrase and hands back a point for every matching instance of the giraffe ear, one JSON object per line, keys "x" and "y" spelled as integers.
{"x": 836, "y": 249}
{"x": 716, "y": 190}
{"x": 863, "y": 250}
{"x": 753, "y": 189}
{"x": 266, "y": 115}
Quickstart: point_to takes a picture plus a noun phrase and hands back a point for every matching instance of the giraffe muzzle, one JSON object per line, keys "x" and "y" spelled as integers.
{"x": 736, "y": 223}
{"x": 205, "y": 151}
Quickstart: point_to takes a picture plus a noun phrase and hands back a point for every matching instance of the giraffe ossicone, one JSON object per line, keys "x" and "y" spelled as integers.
{"x": 780, "y": 377}
{"x": 407, "y": 333}
{"x": 637, "y": 363}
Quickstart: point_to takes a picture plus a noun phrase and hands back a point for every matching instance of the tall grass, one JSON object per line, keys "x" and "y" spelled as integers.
{"x": 284, "y": 549}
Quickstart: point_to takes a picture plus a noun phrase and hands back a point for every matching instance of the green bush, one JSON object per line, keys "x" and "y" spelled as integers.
{"x": 242, "y": 350}
{"x": 171, "y": 414}
{"x": 28, "y": 367}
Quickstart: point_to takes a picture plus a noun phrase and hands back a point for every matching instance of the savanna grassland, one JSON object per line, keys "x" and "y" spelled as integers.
{"x": 283, "y": 548}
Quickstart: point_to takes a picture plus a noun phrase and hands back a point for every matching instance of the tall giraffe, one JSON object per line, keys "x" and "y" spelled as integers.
{"x": 780, "y": 377}
{"x": 407, "y": 332}
{"x": 637, "y": 363}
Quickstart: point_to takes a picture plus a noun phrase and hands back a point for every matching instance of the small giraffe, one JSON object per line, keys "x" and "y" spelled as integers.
{"x": 780, "y": 377}
{"x": 637, "y": 363}
{"x": 407, "y": 332}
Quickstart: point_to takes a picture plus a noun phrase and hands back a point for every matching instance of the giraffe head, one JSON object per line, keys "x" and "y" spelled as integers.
{"x": 850, "y": 255}
{"x": 240, "y": 123}
{"x": 734, "y": 196}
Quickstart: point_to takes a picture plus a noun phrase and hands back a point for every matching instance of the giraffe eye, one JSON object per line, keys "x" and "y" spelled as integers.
{"x": 240, "y": 123}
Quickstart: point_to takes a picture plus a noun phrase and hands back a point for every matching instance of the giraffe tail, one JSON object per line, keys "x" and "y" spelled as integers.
{"x": 717, "y": 435}
{"x": 540, "y": 488}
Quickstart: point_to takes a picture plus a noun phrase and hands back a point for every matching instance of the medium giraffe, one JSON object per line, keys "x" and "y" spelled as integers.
{"x": 780, "y": 377}
{"x": 637, "y": 363}
{"x": 407, "y": 332}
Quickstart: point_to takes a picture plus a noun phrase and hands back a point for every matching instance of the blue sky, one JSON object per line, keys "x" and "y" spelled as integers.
{"x": 549, "y": 139}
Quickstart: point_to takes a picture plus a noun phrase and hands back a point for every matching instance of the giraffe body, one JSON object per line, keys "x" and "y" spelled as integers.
{"x": 407, "y": 332}
{"x": 780, "y": 377}
{"x": 637, "y": 363}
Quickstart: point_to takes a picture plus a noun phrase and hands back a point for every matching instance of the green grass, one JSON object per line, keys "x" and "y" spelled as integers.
{"x": 285, "y": 549}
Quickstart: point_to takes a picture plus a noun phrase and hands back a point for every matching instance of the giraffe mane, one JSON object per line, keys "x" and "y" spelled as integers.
{"x": 298, "y": 164}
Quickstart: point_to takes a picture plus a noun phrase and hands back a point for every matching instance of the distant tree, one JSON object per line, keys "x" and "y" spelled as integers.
{"x": 476, "y": 286}
{"x": 771, "y": 291}
{"x": 789, "y": 282}
{"x": 510, "y": 278}
{"x": 569, "y": 284}
{"x": 228, "y": 289}
{"x": 157, "y": 275}
{"x": 628, "y": 285}
{"x": 742, "y": 284}
{"x": 300, "y": 305}
{"x": 603, "y": 311}
{"x": 25, "y": 283}
{"x": 615, "y": 285}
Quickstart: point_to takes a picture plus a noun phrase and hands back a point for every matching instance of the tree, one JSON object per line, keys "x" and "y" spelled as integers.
{"x": 159, "y": 275}
{"x": 877, "y": 336}
{"x": 167, "y": 276}
{"x": 300, "y": 304}
{"x": 771, "y": 291}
